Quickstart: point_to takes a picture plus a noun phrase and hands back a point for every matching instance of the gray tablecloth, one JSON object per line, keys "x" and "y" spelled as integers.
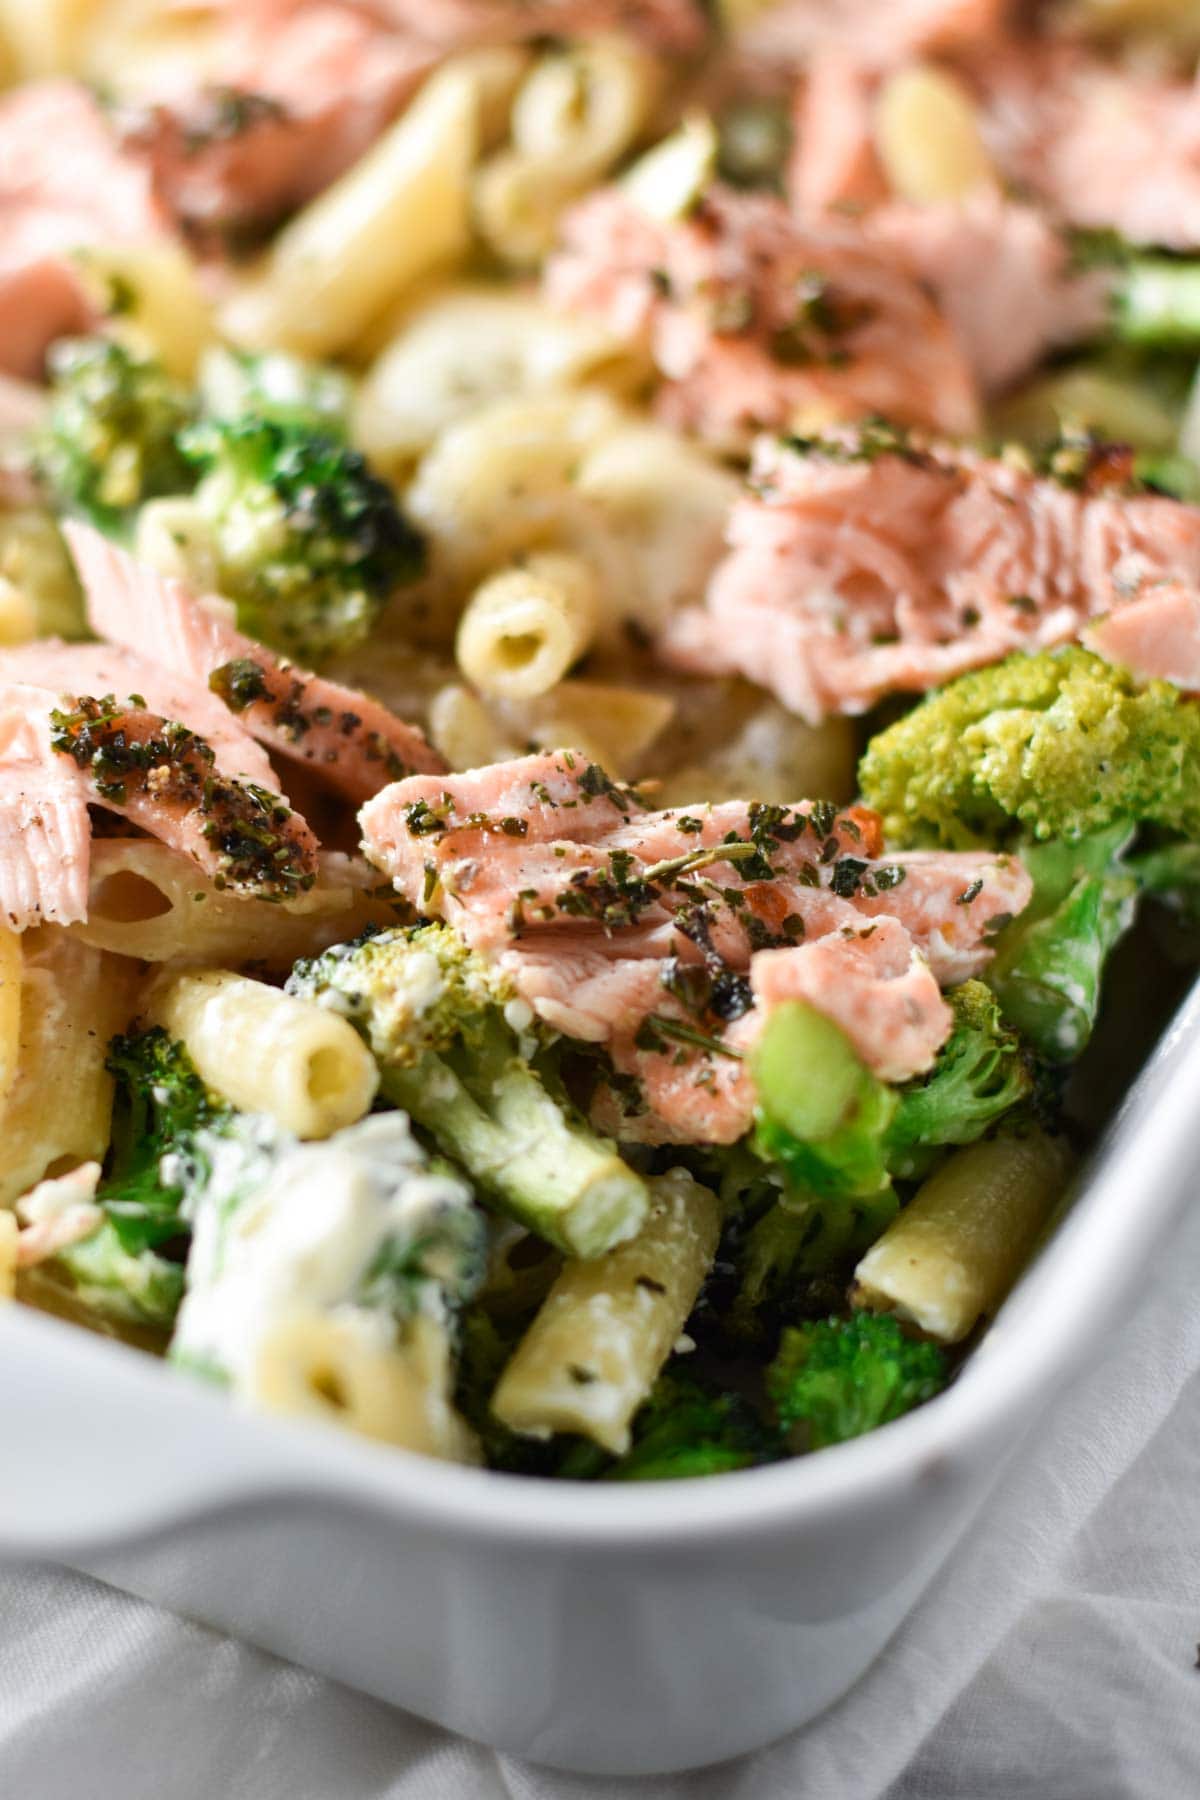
{"x": 1053, "y": 1660}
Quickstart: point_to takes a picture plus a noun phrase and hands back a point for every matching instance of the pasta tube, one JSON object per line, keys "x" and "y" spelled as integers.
{"x": 58, "y": 1108}
{"x": 267, "y": 1052}
{"x": 10, "y": 1009}
{"x": 928, "y": 137}
{"x": 398, "y": 213}
{"x": 343, "y": 1371}
{"x": 149, "y": 901}
{"x": 523, "y": 629}
{"x": 606, "y": 1327}
{"x": 584, "y": 107}
{"x": 953, "y": 1253}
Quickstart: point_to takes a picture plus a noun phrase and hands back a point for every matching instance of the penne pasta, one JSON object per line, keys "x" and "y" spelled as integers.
{"x": 928, "y": 137}
{"x": 11, "y": 965}
{"x": 341, "y": 1371}
{"x": 499, "y": 483}
{"x": 397, "y": 214}
{"x": 523, "y": 629}
{"x": 467, "y": 346}
{"x": 149, "y": 901}
{"x": 56, "y": 1112}
{"x": 265, "y": 1052}
{"x": 18, "y": 614}
{"x": 50, "y": 37}
{"x": 606, "y": 1327}
{"x": 615, "y": 726}
{"x": 951, "y": 1256}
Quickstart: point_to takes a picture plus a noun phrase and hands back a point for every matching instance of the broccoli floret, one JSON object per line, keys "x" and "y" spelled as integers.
{"x": 235, "y": 384}
{"x": 691, "y": 1427}
{"x": 306, "y": 541}
{"x": 841, "y": 1377}
{"x": 1060, "y": 744}
{"x": 444, "y": 1029}
{"x": 982, "y": 1071}
{"x": 160, "y": 1108}
{"x": 110, "y": 438}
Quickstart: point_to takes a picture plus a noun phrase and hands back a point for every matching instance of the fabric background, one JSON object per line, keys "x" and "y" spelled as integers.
{"x": 1054, "y": 1659}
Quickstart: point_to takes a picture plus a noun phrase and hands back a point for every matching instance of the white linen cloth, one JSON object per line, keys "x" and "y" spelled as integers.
{"x": 1054, "y": 1658}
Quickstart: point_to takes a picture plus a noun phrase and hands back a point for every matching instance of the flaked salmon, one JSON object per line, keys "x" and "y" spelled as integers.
{"x": 644, "y": 932}
{"x": 877, "y": 31}
{"x": 62, "y": 752}
{"x": 860, "y": 566}
{"x": 65, "y": 185}
{"x": 351, "y": 743}
{"x": 663, "y": 24}
{"x": 103, "y": 669}
{"x": 45, "y": 833}
{"x": 1102, "y": 145}
{"x": 1002, "y": 275}
{"x": 888, "y": 1001}
{"x": 1156, "y": 635}
{"x": 758, "y": 320}
{"x": 1000, "y": 270}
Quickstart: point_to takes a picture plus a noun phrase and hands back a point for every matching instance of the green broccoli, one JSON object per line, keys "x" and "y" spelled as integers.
{"x": 1156, "y": 302}
{"x": 839, "y": 1132}
{"x": 160, "y": 1107}
{"x": 690, "y": 1427}
{"x": 440, "y": 1022}
{"x": 305, "y": 540}
{"x": 1049, "y": 963}
{"x": 796, "y": 1256}
{"x": 982, "y": 1071}
{"x": 841, "y": 1377}
{"x": 1058, "y": 745}
{"x": 110, "y": 438}
{"x": 274, "y": 385}
{"x": 687, "y": 1426}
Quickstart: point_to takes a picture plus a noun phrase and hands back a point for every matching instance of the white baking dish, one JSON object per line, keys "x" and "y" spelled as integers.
{"x": 606, "y": 1629}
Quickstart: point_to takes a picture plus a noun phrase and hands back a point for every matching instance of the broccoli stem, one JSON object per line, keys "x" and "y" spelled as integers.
{"x": 821, "y": 1113}
{"x": 1049, "y": 966}
{"x": 1157, "y": 303}
{"x": 551, "y": 1175}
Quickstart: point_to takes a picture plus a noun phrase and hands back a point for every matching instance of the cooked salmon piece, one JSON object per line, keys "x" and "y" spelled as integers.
{"x": 44, "y": 826}
{"x": 65, "y": 185}
{"x": 1156, "y": 635}
{"x": 861, "y": 566}
{"x": 102, "y": 669}
{"x": 1104, "y": 146}
{"x": 641, "y": 932}
{"x": 1000, "y": 270}
{"x": 663, "y": 24}
{"x": 874, "y": 983}
{"x": 1002, "y": 275}
{"x": 163, "y": 778}
{"x": 758, "y": 320}
{"x": 351, "y": 743}
{"x": 833, "y": 162}
{"x": 291, "y": 99}
{"x": 876, "y": 31}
